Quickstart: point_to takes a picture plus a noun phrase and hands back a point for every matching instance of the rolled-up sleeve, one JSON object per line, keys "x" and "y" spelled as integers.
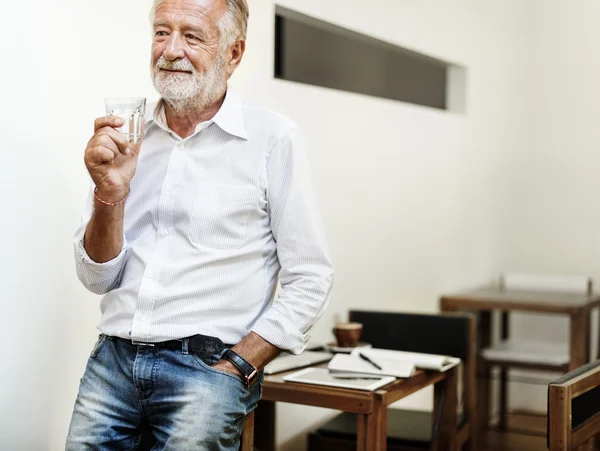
{"x": 98, "y": 278}
{"x": 306, "y": 274}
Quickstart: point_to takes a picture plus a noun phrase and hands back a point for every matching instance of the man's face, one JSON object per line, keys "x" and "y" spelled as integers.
{"x": 186, "y": 58}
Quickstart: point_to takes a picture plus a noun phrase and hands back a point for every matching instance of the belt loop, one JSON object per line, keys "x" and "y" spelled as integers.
{"x": 185, "y": 346}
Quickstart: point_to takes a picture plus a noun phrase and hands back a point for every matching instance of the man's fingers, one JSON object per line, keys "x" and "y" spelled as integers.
{"x": 106, "y": 141}
{"x": 101, "y": 142}
{"x": 119, "y": 139}
{"x": 99, "y": 155}
{"x": 108, "y": 121}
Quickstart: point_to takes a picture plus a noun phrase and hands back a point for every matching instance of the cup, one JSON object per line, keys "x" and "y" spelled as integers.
{"x": 131, "y": 110}
{"x": 347, "y": 334}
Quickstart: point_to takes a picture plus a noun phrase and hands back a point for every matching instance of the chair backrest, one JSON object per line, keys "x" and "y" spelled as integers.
{"x": 446, "y": 334}
{"x": 574, "y": 408}
{"x": 546, "y": 282}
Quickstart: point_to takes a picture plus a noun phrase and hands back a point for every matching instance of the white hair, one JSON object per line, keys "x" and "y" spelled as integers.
{"x": 233, "y": 25}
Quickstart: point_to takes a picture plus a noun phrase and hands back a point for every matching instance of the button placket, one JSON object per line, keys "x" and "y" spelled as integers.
{"x": 166, "y": 202}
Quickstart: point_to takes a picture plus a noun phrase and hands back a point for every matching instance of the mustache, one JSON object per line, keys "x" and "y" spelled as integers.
{"x": 182, "y": 64}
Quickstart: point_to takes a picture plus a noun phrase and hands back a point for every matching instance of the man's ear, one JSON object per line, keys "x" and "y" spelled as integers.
{"x": 236, "y": 52}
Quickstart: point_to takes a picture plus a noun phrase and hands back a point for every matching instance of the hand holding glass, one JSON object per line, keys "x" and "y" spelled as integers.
{"x": 131, "y": 110}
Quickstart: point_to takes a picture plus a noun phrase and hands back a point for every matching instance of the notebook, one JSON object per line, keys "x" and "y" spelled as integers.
{"x": 351, "y": 365}
{"x": 420, "y": 360}
{"x": 286, "y": 362}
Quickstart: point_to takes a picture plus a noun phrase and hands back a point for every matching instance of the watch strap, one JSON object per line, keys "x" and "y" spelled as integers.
{"x": 247, "y": 369}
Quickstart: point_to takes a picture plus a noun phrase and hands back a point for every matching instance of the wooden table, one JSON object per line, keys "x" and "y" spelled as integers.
{"x": 370, "y": 407}
{"x": 577, "y": 306}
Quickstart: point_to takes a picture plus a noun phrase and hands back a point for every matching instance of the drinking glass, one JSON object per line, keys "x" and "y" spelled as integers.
{"x": 131, "y": 110}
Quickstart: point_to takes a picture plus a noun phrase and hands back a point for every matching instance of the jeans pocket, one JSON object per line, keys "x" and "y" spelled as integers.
{"x": 98, "y": 345}
{"x": 206, "y": 361}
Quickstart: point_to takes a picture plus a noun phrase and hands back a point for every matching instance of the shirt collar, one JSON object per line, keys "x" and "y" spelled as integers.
{"x": 229, "y": 118}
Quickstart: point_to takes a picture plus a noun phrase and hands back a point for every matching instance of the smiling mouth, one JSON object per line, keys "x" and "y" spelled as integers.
{"x": 175, "y": 71}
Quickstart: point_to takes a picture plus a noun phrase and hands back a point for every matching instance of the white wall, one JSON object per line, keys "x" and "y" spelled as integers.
{"x": 559, "y": 227}
{"x": 57, "y": 66}
{"x": 416, "y": 201}
{"x": 558, "y": 176}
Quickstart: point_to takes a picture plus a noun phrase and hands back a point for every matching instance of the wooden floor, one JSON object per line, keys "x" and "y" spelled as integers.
{"x": 508, "y": 441}
{"x": 525, "y": 432}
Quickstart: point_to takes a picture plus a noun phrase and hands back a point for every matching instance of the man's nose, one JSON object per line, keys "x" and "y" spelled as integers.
{"x": 174, "y": 48}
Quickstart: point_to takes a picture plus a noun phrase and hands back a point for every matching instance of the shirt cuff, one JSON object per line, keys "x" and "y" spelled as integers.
{"x": 278, "y": 330}
{"x": 95, "y": 272}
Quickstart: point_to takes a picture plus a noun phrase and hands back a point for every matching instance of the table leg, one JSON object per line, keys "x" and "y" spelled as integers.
{"x": 371, "y": 429}
{"x": 483, "y": 372}
{"x": 248, "y": 433}
{"x": 446, "y": 391}
{"x": 588, "y": 336}
{"x": 361, "y": 432}
{"x": 580, "y": 338}
{"x": 504, "y": 332}
{"x": 264, "y": 426}
{"x": 377, "y": 426}
{"x": 597, "y": 356}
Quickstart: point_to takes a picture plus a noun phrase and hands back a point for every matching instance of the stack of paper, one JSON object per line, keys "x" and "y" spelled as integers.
{"x": 384, "y": 362}
{"x": 423, "y": 361}
{"x": 349, "y": 365}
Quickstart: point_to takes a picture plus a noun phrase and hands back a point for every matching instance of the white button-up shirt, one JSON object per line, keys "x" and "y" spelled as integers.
{"x": 212, "y": 222}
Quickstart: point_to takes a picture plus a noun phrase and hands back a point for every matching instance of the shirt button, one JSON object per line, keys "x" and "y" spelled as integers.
{"x": 169, "y": 188}
{"x": 164, "y": 232}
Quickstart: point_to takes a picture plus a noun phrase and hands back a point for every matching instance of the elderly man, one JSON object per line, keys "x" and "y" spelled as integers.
{"x": 186, "y": 236}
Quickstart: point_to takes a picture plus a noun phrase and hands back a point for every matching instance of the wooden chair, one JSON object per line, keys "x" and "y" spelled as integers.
{"x": 446, "y": 334}
{"x": 574, "y": 409}
{"x": 516, "y": 353}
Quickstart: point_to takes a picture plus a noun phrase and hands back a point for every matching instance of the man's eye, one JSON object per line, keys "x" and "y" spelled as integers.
{"x": 191, "y": 36}
{"x": 160, "y": 33}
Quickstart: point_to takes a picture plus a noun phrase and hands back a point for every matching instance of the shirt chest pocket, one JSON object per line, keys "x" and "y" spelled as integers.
{"x": 220, "y": 215}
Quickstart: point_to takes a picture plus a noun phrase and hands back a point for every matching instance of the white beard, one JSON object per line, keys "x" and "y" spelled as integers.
{"x": 189, "y": 91}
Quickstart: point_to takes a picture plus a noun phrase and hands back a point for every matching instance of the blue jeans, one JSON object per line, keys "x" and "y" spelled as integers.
{"x": 177, "y": 396}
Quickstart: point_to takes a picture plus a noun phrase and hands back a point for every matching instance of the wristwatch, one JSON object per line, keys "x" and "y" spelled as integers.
{"x": 247, "y": 369}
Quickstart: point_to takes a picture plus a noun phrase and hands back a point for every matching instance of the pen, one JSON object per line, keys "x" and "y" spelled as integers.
{"x": 364, "y": 357}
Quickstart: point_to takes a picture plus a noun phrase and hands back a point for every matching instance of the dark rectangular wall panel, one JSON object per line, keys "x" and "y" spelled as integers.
{"x": 311, "y": 51}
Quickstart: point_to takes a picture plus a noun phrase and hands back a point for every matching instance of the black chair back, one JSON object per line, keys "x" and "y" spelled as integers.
{"x": 430, "y": 334}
